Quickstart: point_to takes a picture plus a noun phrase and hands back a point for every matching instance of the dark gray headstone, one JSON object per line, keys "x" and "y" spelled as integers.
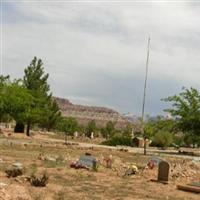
{"x": 163, "y": 171}
{"x": 87, "y": 161}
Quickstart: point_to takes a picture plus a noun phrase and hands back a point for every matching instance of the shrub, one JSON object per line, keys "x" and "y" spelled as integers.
{"x": 179, "y": 140}
{"x": 118, "y": 140}
{"x": 14, "y": 171}
{"x": 162, "y": 139}
{"x": 39, "y": 181}
{"x": 191, "y": 140}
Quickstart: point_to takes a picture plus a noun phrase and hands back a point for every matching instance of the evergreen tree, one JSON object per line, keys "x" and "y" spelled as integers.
{"x": 35, "y": 80}
{"x": 52, "y": 114}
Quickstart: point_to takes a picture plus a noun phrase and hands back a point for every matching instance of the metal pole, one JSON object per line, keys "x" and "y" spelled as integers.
{"x": 1, "y": 37}
{"x": 144, "y": 96}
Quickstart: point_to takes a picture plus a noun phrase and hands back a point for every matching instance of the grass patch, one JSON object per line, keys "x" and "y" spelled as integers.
{"x": 32, "y": 169}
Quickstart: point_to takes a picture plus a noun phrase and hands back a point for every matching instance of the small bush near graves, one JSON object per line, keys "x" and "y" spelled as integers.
{"x": 118, "y": 140}
{"x": 14, "y": 172}
{"x": 39, "y": 181}
{"x": 162, "y": 139}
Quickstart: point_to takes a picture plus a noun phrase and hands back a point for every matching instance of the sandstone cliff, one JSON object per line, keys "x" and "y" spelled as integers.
{"x": 84, "y": 114}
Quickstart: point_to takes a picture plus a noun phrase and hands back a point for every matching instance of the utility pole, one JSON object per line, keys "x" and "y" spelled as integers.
{"x": 1, "y": 37}
{"x": 144, "y": 97}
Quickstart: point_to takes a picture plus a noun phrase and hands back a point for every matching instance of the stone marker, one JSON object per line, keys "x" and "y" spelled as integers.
{"x": 88, "y": 161}
{"x": 76, "y": 134}
{"x": 2, "y": 184}
{"x": 163, "y": 172}
{"x": 92, "y": 135}
{"x": 18, "y": 165}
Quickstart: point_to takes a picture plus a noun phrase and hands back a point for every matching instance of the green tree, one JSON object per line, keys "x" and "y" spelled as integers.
{"x": 127, "y": 132}
{"x": 18, "y": 102}
{"x": 52, "y": 114}
{"x": 155, "y": 125}
{"x": 186, "y": 109}
{"x": 91, "y": 127}
{"x": 4, "y": 81}
{"x": 35, "y": 80}
{"x": 109, "y": 129}
{"x": 68, "y": 125}
{"x": 163, "y": 139}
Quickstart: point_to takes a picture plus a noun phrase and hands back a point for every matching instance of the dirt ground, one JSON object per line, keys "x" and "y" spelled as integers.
{"x": 68, "y": 183}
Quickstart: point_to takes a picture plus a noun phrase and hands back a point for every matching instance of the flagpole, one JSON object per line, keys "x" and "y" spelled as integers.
{"x": 144, "y": 95}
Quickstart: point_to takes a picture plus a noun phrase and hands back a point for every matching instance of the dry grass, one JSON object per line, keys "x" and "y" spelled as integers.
{"x": 66, "y": 183}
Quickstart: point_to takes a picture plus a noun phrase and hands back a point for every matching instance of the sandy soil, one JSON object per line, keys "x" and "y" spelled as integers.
{"x": 68, "y": 183}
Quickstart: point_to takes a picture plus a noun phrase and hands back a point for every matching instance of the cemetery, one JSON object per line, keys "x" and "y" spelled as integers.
{"x": 47, "y": 169}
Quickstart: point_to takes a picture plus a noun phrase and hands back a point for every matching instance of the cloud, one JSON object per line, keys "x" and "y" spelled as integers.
{"x": 96, "y": 52}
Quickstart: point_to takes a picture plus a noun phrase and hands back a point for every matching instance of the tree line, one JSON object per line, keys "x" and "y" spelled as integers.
{"x": 29, "y": 102}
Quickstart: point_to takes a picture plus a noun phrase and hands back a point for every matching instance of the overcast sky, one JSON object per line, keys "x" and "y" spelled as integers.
{"x": 95, "y": 52}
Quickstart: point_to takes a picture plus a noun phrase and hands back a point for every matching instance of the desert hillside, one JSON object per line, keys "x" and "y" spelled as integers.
{"x": 84, "y": 114}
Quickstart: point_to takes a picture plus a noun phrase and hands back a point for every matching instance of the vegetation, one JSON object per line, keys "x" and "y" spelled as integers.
{"x": 68, "y": 125}
{"x": 39, "y": 181}
{"x": 162, "y": 139}
{"x": 91, "y": 128}
{"x": 28, "y": 101}
{"x": 13, "y": 171}
{"x": 109, "y": 130}
{"x": 118, "y": 140}
{"x": 35, "y": 80}
{"x": 186, "y": 110}
{"x": 52, "y": 114}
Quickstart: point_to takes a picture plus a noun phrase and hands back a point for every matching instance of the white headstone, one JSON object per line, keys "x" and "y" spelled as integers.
{"x": 76, "y": 134}
{"x": 92, "y": 135}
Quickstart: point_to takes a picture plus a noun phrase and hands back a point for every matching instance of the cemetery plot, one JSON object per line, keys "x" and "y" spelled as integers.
{"x": 120, "y": 175}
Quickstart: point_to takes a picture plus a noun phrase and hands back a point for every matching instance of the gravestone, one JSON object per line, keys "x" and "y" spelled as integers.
{"x": 92, "y": 135}
{"x": 76, "y": 134}
{"x": 163, "y": 172}
{"x": 88, "y": 161}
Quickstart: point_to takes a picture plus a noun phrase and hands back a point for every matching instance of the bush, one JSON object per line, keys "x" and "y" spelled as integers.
{"x": 118, "y": 140}
{"x": 162, "y": 139}
{"x": 39, "y": 181}
{"x": 179, "y": 140}
{"x": 14, "y": 172}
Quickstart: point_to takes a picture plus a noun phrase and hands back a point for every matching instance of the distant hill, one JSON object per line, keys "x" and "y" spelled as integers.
{"x": 84, "y": 114}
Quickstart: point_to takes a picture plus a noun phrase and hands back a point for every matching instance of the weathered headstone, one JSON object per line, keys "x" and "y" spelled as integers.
{"x": 17, "y": 164}
{"x": 75, "y": 134}
{"x": 163, "y": 172}
{"x": 92, "y": 135}
{"x": 87, "y": 161}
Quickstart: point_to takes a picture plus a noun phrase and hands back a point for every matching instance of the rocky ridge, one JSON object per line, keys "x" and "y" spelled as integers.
{"x": 84, "y": 114}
